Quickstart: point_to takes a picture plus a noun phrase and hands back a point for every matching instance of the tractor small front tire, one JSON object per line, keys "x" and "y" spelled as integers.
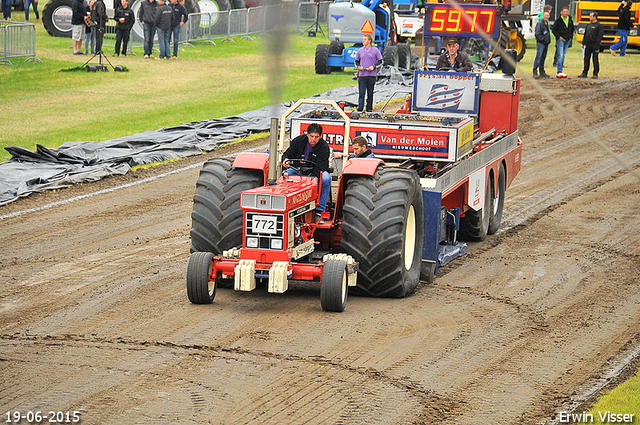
{"x": 322, "y": 59}
{"x": 200, "y": 289}
{"x": 333, "y": 287}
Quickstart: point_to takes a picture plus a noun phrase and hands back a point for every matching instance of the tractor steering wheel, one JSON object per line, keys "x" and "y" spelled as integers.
{"x": 301, "y": 166}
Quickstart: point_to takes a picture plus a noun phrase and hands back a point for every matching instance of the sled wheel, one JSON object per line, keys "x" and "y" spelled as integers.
{"x": 474, "y": 226}
{"x": 498, "y": 202}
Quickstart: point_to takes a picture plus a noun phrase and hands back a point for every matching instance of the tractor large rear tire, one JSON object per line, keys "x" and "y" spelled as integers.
{"x": 322, "y": 59}
{"x": 56, "y": 16}
{"x": 217, "y": 216}
{"x": 382, "y": 229}
{"x": 474, "y": 226}
{"x": 498, "y": 202}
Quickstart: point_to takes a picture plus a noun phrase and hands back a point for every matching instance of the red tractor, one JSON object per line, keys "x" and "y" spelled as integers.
{"x": 441, "y": 169}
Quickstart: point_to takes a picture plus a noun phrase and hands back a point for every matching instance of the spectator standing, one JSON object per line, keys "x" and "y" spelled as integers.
{"x": 147, "y": 16}
{"x": 125, "y": 19}
{"x": 453, "y": 60}
{"x": 563, "y": 30}
{"x": 312, "y": 147}
{"x": 78, "y": 13}
{"x": 367, "y": 59}
{"x": 27, "y": 5}
{"x": 591, "y": 45}
{"x": 90, "y": 33}
{"x": 99, "y": 18}
{"x": 543, "y": 39}
{"x": 180, "y": 17}
{"x": 6, "y": 10}
{"x": 164, "y": 15}
{"x": 624, "y": 25}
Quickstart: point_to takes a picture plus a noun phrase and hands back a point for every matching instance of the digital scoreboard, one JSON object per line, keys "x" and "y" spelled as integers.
{"x": 462, "y": 20}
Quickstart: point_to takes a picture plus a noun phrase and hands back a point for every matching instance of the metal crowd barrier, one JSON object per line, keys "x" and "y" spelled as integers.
{"x": 245, "y": 23}
{"x": 18, "y": 40}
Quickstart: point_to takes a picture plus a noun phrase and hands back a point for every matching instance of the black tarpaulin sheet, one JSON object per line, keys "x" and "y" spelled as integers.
{"x": 75, "y": 162}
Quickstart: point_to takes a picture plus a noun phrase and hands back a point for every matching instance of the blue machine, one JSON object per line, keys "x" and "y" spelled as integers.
{"x": 347, "y": 23}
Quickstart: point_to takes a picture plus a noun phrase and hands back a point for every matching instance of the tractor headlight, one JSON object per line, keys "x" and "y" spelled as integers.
{"x": 633, "y": 32}
{"x": 580, "y": 30}
{"x": 252, "y": 242}
{"x": 276, "y": 243}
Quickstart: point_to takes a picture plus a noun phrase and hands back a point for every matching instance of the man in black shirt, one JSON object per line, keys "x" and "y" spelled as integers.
{"x": 312, "y": 147}
{"x": 99, "y": 18}
{"x": 591, "y": 45}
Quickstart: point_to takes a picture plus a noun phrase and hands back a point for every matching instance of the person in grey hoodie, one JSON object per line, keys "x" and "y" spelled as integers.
{"x": 164, "y": 15}
{"x": 147, "y": 17}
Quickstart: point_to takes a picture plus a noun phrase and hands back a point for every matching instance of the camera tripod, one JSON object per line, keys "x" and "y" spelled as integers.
{"x": 101, "y": 66}
{"x": 315, "y": 27}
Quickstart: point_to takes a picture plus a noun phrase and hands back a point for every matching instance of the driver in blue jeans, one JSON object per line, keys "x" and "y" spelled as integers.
{"x": 312, "y": 147}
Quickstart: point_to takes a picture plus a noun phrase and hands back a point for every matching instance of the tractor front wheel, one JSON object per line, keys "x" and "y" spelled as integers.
{"x": 333, "y": 288}
{"x": 382, "y": 229}
{"x": 200, "y": 289}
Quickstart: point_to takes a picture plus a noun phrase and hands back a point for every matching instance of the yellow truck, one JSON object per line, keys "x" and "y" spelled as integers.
{"x": 608, "y": 17}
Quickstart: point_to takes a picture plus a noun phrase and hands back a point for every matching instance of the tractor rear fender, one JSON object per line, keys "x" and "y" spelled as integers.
{"x": 253, "y": 161}
{"x": 357, "y": 166}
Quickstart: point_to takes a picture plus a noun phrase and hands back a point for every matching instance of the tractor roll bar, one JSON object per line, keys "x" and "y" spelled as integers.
{"x": 347, "y": 123}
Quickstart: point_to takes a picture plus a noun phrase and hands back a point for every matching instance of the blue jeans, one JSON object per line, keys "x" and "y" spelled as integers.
{"x": 438, "y": 43}
{"x": 562, "y": 46}
{"x": 622, "y": 43}
{"x": 6, "y": 9}
{"x": 28, "y": 3}
{"x": 163, "y": 43}
{"x": 149, "y": 33}
{"x": 365, "y": 86}
{"x": 541, "y": 56}
{"x": 175, "y": 33}
{"x": 324, "y": 192}
{"x": 90, "y": 36}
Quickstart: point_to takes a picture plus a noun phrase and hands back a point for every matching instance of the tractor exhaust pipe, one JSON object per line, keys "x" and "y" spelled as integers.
{"x": 273, "y": 152}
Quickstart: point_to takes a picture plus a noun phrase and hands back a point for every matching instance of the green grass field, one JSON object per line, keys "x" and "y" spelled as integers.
{"x": 50, "y": 107}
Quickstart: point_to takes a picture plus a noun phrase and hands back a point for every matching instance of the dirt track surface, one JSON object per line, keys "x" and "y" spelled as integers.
{"x": 94, "y": 315}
